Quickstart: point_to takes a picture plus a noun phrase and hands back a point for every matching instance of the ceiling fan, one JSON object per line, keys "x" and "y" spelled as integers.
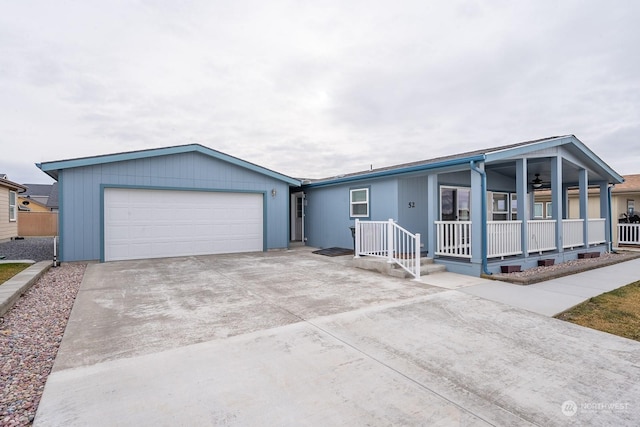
{"x": 537, "y": 183}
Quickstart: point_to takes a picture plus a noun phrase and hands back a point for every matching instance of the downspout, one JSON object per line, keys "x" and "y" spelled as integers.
{"x": 610, "y": 213}
{"x": 483, "y": 189}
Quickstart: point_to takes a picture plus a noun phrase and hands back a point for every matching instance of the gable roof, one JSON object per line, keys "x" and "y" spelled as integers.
{"x": 631, "y": 184}
{"x": 14, "y": 186}
{"x": 43, "y": 190}
{"x": 52, "y": 168}
{"x": 486, "y": 154}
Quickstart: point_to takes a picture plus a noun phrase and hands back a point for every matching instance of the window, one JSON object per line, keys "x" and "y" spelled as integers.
{"x": 548, "y": 208}
{"x": 514, "y": 207}
{"x": 630, "y": 207}
{"x": 12, "y": 205}
{"x": 537, "y": 210}
{"x": 499, "y": 206}
{"x": 455, "y": 204}
{"x": 359, "y": 202}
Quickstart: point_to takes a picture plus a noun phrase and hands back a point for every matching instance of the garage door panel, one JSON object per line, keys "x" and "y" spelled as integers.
{"x": 141, "y": 223}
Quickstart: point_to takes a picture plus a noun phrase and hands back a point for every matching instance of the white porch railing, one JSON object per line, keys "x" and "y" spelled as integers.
{"x": 572, "y": 233}
{"x": 597, "y": 230}
{"x": 542, "y": 235}
{"x": 386, "y": 239}
{"x": 629, "y": 234}
{"x": 453, "y": 238}
{"x": 504, "y": 238}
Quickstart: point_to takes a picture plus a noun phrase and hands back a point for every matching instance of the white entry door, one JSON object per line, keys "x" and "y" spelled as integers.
{"x": 144, "y": 223}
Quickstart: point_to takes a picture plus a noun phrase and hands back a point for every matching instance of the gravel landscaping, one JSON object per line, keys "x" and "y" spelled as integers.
{"x": 33, "y": 248}
{"x": 30, "y": 334}
{"x": 539, "y": 274}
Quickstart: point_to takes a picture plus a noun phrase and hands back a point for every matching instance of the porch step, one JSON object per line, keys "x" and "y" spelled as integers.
{"x": 427, "y": 266}
{"x": 425, "y": 269}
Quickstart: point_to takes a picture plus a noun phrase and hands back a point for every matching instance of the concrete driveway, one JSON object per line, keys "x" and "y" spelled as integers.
{"x": 292, "y": 338}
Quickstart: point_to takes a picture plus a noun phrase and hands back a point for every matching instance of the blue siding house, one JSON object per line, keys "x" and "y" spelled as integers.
{"x": 473, "y": 212}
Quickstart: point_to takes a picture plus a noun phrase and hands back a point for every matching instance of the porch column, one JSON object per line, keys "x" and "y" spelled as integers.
{"x": 565, "y": 202}
{"x": 556, "y": 199}
{"x": 477, "y": 225}
{"x": 521, "y": 194}
{"x": 605, "y": 211}
{"x": 433, "y": 196}
{"x": 583, "y": 185}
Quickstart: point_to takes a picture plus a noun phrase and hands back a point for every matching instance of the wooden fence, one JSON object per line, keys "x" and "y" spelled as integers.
{"x": 37, "y": 224}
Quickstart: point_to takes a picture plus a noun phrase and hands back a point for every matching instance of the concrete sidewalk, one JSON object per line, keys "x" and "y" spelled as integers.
{"x": 552, "y": 296}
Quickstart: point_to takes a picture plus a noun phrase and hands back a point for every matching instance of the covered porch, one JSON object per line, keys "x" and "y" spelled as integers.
{"x": 500, "y": 221}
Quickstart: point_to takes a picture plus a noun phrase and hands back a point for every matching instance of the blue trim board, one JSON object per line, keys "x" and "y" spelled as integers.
{"x": 52, "y": 168}
{"x": 103, "y": 187}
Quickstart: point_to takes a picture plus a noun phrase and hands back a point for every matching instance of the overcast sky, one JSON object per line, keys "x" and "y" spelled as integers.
{"x": 315, "y": 88}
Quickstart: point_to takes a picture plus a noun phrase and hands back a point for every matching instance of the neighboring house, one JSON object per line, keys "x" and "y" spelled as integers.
{"x": 174, "y": 201}
{"x": 27, "y": 204}
{"x": 44, "y": 194}
{"x": 9, "y": 191}
{"x": 475, "y": 212}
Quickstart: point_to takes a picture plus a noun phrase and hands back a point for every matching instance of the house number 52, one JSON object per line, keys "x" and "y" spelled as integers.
{"x": 412, "y": 205}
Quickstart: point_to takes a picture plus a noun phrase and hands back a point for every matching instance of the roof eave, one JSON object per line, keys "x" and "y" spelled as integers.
{"x": 391, "y": 172}
{"x": 14, "y": 186}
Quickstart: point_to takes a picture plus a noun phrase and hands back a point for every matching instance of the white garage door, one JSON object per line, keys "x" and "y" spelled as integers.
{"x": 141, "y": 223}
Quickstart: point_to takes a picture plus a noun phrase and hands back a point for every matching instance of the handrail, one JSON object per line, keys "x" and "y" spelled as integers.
{"x": 386, "y": 239}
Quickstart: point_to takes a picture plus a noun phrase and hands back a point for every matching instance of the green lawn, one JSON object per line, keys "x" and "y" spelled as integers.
{"x": 7, "y": 271}
{"x": 616, "y": 312}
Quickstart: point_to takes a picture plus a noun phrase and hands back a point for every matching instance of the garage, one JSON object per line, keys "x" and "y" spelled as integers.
{"x": 168, "y": 202}
{"x": 150, "y": 223}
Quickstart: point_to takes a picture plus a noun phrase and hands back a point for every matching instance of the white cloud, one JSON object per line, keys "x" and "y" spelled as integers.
{"x": 316, "y": 89}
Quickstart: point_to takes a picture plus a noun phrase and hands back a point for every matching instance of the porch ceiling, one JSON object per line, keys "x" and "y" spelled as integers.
{"x": 542, "y": 166}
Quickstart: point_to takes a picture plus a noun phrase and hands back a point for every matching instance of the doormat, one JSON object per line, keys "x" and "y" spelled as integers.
{"x": 334, "y": 251}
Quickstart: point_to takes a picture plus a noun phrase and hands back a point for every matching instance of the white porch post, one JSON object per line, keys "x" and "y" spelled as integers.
{"x": 556, "y": 199}
{"x": 432, "y": 213}
{"x": 521, "y": 195}
{"x": 583, "y": 184}
{"x": 476, "y": 215}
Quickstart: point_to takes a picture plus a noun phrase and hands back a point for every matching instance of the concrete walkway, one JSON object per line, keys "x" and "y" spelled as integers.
{"x": 552, "y": 296}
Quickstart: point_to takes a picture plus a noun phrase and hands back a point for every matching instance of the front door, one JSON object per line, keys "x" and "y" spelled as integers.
{"x": 297, "y": 214}
{"x": 455, "y": 204}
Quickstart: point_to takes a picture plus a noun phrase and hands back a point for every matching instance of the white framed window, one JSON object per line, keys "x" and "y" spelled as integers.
{"x": 12, "y": 206}
{"x": 548, "y": 209}
{"x": 359, "y": 203}
{"x": 514, "y": 207}
{"x": 537, "y": 210}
